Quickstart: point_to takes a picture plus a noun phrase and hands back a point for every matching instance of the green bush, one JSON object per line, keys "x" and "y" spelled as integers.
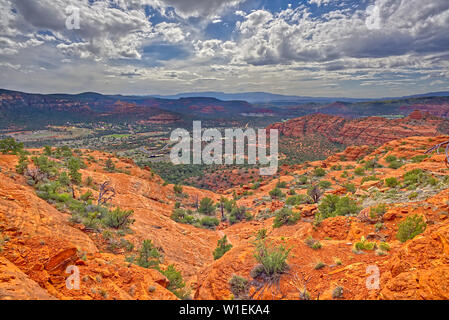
{"x": 325, "y": 184}
{"x": 392, "y": 182}
{"x": 109, "y": 165}
{"x": 410, "y": 228}
{"x": 209, "y": 222}
{"x": 333, "y": 205}
{"x": 391, "y": 158}
{"x": 177, "y": 189}
{"x": 23, "y": 164}
{"x": 285, "y": 216}
{"x": 350, "y": 187}
{"x": 176, "y": 283}
{"x": 419, "y": 158}
{"x": 239, "y": 214}
{"x": 297, "y": 200}
{"x": 239, "y": 287}
{"x": 319, "y": 172}
{"x": 207, "y": 206}
{"x": 10, "y": 146}
{"x": 119, "y": 219}
{"x": 276, "y": 193}
{"x": 272, "y": 258}
{"x": 364, "y": 245}
{"x": 395, "y": 164}
{"x": 416, "y": 177}
{"x": 281, "y": 185}
{"x": 223, "y": 246}
{"x": 149, "y": 256}
{"x": 359, "y": 171}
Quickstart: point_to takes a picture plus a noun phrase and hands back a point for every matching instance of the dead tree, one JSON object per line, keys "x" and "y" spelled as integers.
{"x": 437, "y": 148}
{"x": 35, "y": 174}
{"x": 106, "y": 193}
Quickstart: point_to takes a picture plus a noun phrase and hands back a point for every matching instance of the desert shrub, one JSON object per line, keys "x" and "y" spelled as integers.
{"x": 395, "y": 164}
{"x": 350, "y": 187}
{"x": 118, "y": 219}
{"x": 319, "y": 172}
{"x": 325, "y": 184}
{"x": 272, "y": 258}
{"x": 285, "y": 216}
{"x": 337, "y": 293}
{"x": 74, "y": 165}
{"x": 391, "y": 158}
{"x": 109, "y": 165}
{"x": 223, "y": 246}
{"x": 302, "y": 180}
{"x": 239, "y": 214}
{"x": 312, "y": 243}
{"x": 281, "y": 185}
{"x": 276, "y": 193}
{"x": 176, "y": 283}
{"x": 369, "y": 178}
{"x": 239, "y": 287}
{"x": 10, "y": 146}
{"x": 333, "y": 205}
{"x": 297, "y": 200}
{"x": 319, "y": 265}
{"x": 384, "y": 246}
{"x": 261, "y": 234}
{"x": 209, "y": 222}
{"x": 23, "y": 164}
{"x": 364, "y": 245}
{"x": 416, "y": 177}
{"x": 360, "y": 171}
{"x": 336, "y": 168}
{"x": 314, "y": 193}
{"x": 64, "y": 179}
{"x": 207, "y": 206}
{"x": 372, "y": 164}
{"x": 419, "y": 158}
{"x": 149, "y": 256}
{"x": 411, "y": 227}
{"x": 177, "y": 189}
{"x": 46, "y": 166}
{"x": 392, "y": 182}
{"x": 86, "y": 196}
{"x": 378, "y": 210}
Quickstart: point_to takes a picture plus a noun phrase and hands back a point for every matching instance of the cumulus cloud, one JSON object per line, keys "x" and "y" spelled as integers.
{"x": 196, "y": 8}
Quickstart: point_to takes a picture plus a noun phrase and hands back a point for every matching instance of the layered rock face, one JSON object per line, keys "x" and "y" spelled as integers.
{"x": 38, "y": 241}
{"x": 365, "y": 131}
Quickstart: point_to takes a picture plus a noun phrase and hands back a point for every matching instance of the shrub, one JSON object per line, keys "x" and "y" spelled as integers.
{"x": 239, "y": 287}
{"x": 74, "y": 165}
{"x": 109, "y": 165}
{"x": 239, "y": 214}
{"x": 272, "y": 258}
{"x": 276, "y": 193}
{"x": 363, "y": 245}
{"x": 285, "y": 216}
{"x": 392, "y": 182}
{"x": 419, "y": 158}
{"x": 207, "y": 206}
{"x": 119, "y": 219}
{"x": 177, "y": 189}
{"x": 10, "y": 146}
{"x": 380, "y": 209}
{"x": 410, "y": 228}
{"x": 391, "y": 158}
{"x": 319, "y": 265}
{"x": 281, "y": 185}
{"x": 359, "y": 171}
{"x": 350, "y": 187}
{"x": 176, "y": 283}
{"x": 312, "y": 243}
{"x": 333, "y": 205}
{"x": 325, "y": 184}
{"x": 223, "y": 246}
{"x": 415, "y": 177}
{"x": 23, "y": 164}
{"x": 209, "y": 222}
{"x": 319, "y": 172}
{"x": 337, "y": 293}
{"x": 261, "y": 234}
{"x": 149, "y": 256}
{"x": 395, "y": 164}
{"x": 384, "y": 246}
{"x": 297, "y": 200}
{"x": 64, "y": 179}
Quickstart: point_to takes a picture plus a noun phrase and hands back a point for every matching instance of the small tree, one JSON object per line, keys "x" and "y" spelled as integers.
{"x": 23, "y": 164}
{"x": 207, "y": 206}
{"x": 119, "y": 219}
{"x": 10, "y": 146}
{"x": 149, "y": 256}
{"x": 223, "y": 246}
{"x": 109, "y": 165}
{"x": 74, "y": 165}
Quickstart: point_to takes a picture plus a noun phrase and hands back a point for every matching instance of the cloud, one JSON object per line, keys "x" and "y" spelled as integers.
{"x": 196, "y": 8}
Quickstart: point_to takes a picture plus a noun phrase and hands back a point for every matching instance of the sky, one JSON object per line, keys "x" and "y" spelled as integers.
{"x": 327, "y": 48}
